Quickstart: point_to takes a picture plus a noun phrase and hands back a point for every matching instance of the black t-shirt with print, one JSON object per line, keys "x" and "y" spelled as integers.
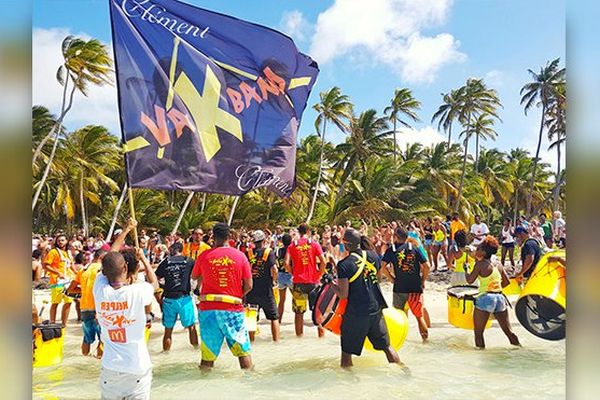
{"x": 407, "y": 260}
{"x": 262, "y": 281}
{"x": 280, "y": 258}
{"x": 531, "y": 246}
{"x": 176, "y": 270}
{"x": 364, "y": 295}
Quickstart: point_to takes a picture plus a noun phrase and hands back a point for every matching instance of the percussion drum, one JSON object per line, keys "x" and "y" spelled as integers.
{"x": 461, "y": 303}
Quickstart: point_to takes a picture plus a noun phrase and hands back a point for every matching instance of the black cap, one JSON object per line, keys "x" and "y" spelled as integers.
{"x": 352, "y": 236}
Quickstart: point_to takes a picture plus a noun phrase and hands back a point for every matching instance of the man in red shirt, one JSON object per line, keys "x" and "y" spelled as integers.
{"x": 224, "y": 277}
{"x": 301, "y": 262}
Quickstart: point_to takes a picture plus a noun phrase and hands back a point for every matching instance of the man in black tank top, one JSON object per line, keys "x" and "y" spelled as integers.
{"x": 357, "y": 282}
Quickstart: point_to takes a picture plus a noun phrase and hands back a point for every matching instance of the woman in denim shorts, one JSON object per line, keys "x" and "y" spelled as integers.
{"x": 490, "y": 300}
{"x": 284, "y": 278}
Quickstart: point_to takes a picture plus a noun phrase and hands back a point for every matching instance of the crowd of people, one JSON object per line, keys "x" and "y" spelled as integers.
{"x": 211, "y": 277}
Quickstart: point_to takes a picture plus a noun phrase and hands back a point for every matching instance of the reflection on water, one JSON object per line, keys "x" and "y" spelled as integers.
{"x": 448, "y": 367}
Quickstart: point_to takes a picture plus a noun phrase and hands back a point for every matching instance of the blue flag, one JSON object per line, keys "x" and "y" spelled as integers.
{"x": 207, "y": 102}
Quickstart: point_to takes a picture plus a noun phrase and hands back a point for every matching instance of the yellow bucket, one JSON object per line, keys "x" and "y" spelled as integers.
{"x": 461, "y": 304}
{"x": 251, "y": 312}
{"x": 542, "y": 306}
{"x": 397, "y": 325}
{"x": 513, "y": 288}
{"x": 48, "y": 343}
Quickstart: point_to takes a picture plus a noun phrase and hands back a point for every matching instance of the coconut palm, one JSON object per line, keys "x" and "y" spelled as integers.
{"x": 439, "y": 169}
{"x": 85, "y": 63}
{"x": 556, "y": 124}
{"x": 475, "y": 99}
{"x": 369, "y": 135}
{"x": 93, "y": 152}
{"x": 540, "y": 92}
{"x": 447, "y": 112}
{"x": 495, "y": 177}
{"x": 403, "y": 103}
{"x": 336, "y": 108}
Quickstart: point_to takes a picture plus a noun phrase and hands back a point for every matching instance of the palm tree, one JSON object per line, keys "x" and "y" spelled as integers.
{"x": 86, "y": 62}
{"x": 403, "y": 103}
{"x": 334, "y": 107}
{"x": 447, "y": 112}
{"x": 483, "y": 127}
{"x": 439, "y": 169}
{"x": 556, "y": 124}
{"x": 93, "y": 153}
{"x": 475, "y": 99}
{"x": 369, "y": 135}
{"x": 495, "y": 177}
{"x": 540, "y": 92}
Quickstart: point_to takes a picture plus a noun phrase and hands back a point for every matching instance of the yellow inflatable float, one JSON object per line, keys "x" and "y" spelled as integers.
{"x": 542, "y": 305}
{"x": 329, "y": 310}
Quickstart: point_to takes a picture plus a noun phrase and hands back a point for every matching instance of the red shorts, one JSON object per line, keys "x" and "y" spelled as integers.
{"x": 413, "y": 300}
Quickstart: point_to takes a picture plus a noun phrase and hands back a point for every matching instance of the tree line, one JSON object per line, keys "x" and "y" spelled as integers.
{"x": 78, "y": 176}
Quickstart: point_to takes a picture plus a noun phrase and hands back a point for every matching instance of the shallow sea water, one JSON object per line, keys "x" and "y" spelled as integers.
{"x": 447, "y": 367}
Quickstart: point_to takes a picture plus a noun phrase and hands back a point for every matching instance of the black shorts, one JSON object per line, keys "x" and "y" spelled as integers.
{"x": 356, "y": 328}
{"x": 508, "y": 245}
{"x": 266, "y": 303}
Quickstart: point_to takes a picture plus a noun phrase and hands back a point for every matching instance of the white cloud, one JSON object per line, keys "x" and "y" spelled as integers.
{"x": 494, "y": 78}
{"x": 294, "y": 25}
{"x": 99, "y": 107}
{"x": 391, "y": 32}
{"x": 427, "y": 136}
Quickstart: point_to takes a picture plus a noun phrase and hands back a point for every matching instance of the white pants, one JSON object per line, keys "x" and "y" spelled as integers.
{"x": 123, "y": 386}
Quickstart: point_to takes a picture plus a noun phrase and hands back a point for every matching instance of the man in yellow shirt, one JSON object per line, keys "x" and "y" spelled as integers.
{"x": 59, "y": 265}
{"x": 455, "y": 226}
{"x": 91, "y": 328}
{"x": 196, "y": 247}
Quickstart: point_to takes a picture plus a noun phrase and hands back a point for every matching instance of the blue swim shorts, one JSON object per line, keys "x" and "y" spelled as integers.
{"x": 284, "y": 280}
{"x": 90, "y": 326}
{"x": 491, "y": 302}
{"x": 216, "y": 325}
{"x": 182, "y": 307}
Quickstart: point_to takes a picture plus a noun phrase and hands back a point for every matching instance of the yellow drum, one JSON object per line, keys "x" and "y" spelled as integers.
{"x": 251, "y": 318}
{"x": 47, "y": 345}
{"x": 513, "y": 288}
{"x": 461, "y": 303}
{"x": 542, "y": 306}
{"x": 397, "y": 325}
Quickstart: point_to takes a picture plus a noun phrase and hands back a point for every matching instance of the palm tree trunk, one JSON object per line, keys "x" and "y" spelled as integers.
{"x": 47, "y": 170}
{"x": 183, "y": 210}
{"x": 116, "y": 214}
{"x": 313, "y": 202}
{"x": 82, "y": 205}
{"x": 462, "y": 176}
{"x": 233, "y": 207}
{"x": 535, "y": 162}
{"x": 476, "y": 151}
{"x": 449, "y": 136}
{"x": 395, "y": 143}
{"x": 203, "y": 203}
{"x": 557, "y": 183}
{"x": 516, "y": 207}
{"x": 41, "y": 145}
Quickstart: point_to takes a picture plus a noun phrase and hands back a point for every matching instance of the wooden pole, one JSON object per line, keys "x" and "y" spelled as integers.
{"x": 116, "y": 214}
{"x": 185, "y": 206}
{"x": 132, "y": 212}
{"x": 235, "y": 203}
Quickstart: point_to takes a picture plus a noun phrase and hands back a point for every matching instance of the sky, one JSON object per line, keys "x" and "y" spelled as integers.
{"x": 367, "y": 48}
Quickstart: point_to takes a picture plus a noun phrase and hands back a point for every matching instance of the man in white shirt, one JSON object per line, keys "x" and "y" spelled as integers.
{"x": 123, "y": 310}
{"x": 479, "y": 230}
{"x": 560, "y": 229}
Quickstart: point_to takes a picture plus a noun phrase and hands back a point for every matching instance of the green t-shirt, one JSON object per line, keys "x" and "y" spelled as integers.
{"x": 547, "y": 227}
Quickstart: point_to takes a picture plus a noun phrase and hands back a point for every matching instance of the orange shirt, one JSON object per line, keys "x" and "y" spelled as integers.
{"x": 193, "y": 250}
{"x": 86, "y": 279}
{"x": 456, "y": 226}
{"x": 60, "y": 260}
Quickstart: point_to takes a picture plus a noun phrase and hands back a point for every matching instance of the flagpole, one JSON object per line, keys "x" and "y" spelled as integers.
{"x": 132, "y": 212}
{"x": 116, "y": 214}
{"x": 235, "y": 203}
{"x": 183, "y": 210}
